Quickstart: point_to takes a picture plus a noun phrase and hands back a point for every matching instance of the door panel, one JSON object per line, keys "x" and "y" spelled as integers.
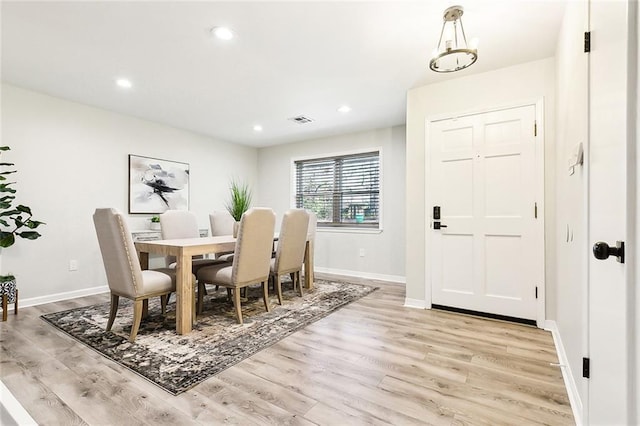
{"x": 610, "y": 399}
{"x": 483, "y": 177}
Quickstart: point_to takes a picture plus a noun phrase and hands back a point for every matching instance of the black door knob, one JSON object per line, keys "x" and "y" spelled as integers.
{"x": 602, "y": 250}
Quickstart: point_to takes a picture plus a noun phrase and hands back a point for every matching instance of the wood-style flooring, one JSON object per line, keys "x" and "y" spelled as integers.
{"x": 372, "y": 362}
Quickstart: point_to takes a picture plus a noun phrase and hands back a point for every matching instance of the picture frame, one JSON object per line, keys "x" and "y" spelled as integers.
{"x": 157, "y": 185}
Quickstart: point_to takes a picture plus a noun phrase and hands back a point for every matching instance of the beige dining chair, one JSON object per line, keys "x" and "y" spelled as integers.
{"x": 222, "y": 223}
{"x": 124, "y": 275}
{"x": 251, "y": 259}
{"x": 291, "y": 247}
{"x": 183, "y": 224}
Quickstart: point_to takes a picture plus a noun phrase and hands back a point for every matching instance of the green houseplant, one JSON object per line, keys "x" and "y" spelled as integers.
{"x": 155, "y": 223}
{"x": 14, "y": 222}
{"x": 239, "y": 202}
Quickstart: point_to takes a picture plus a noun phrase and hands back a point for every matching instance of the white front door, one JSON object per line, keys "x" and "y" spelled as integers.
{"x": 484, "y": 177}
{"x": 611, "y": 307}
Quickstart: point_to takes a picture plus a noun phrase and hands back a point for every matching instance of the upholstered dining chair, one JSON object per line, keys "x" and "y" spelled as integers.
{"x": 251, "y": 259}
{"x": 183, "y": 224}
{"x": 290, "y": 252}
{"x": 222, "y": 223}
{"x": 124, "y": 275}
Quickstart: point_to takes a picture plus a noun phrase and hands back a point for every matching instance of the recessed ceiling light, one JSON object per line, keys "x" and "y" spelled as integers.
{"x": 257, "y": 128}
{"x": 223, "y": 33}
{"x": 344, "y": 109}
{"x": 124, "y": 83}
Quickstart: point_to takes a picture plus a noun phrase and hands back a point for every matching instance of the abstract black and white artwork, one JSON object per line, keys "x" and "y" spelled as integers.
{"x": 157, "y": 185}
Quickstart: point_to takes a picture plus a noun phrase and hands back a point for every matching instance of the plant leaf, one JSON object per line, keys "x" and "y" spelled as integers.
{"x": 29, "y": 235}
{"x": 33, "y": 224}
{"x": 4, "y": 148}
{"x": 7, "y": 239}
{"x": 24, "y": 209}
{"x": 9, "y": 213}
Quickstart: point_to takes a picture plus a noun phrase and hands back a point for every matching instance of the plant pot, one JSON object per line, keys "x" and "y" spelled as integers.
{"x": 154, "y": 226}
{"x": 236, "y": 226}
{"x": 8, "y": 287}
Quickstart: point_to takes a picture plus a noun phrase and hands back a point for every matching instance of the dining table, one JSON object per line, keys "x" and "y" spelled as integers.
{"x": 184, "y": 249}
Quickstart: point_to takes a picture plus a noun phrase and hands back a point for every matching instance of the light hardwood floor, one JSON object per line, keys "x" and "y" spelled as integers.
{"x": 372, "y": 362}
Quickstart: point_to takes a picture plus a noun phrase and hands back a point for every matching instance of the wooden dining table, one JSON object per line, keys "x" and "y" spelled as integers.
{"x": 184, "y": 249}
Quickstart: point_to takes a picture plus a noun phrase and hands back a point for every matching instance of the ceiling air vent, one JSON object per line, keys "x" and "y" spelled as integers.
{"x": 301, "y": 119}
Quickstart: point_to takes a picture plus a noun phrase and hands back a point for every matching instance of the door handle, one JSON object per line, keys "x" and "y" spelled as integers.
{"x": 438, "y": 225}
{"x": 602, "y": 250}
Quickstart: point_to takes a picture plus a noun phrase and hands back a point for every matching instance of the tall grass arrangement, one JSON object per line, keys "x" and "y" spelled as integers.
{"x": 240, "y": 200}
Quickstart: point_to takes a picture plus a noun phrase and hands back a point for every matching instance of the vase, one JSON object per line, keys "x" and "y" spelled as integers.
{"x": 236, "y": 226}
{"x": 9, "y": 294}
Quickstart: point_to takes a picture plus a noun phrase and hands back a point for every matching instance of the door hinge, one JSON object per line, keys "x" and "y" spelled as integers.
{"x": 587, "y": 41}
{"x": 535, "y": 128}
{"x": 536, "y": 292}
{"x": 585, "y": 368}
{"x": 535, "y": 210}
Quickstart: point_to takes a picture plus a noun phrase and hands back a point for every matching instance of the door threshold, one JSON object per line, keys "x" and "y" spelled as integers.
{"x": 485, "y": 315}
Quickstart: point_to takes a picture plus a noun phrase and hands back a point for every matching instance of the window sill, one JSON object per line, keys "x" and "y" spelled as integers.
{"x": 347, "y": 230}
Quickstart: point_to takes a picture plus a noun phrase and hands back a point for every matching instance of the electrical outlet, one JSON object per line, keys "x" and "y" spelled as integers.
{"x": 361, "y": 252}
{"x": 73, "y": 265}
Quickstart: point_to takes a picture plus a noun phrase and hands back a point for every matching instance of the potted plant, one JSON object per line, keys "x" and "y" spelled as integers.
{"x": 155, "y": 223}
{"x": 14, "y": 222}
{"x": 239, "y": 202}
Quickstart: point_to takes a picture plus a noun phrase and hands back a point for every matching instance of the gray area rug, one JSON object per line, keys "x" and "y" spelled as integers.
{"x": 177, "y": 363}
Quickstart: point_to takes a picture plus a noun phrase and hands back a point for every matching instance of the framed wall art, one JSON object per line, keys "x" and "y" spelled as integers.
{"x": 156, "y": 186}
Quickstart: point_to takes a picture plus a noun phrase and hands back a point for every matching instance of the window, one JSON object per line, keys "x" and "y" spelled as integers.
{"x": 344, "y": 190}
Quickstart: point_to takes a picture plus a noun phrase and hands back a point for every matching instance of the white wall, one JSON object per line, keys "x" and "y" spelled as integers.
{"x": 73, "y": 158}
{"x": 525, "y": 82}
{"x": 335, "y": 250}
{"x": 572, "y": 246}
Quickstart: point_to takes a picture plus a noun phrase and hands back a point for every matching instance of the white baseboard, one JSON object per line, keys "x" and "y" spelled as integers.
{"x": 359, "y": 274}
{"x": 569, "y": 381}
{"x": 415, "y": 303}
{"x": 34, "y": 301}
{"x": 9, "y": 406}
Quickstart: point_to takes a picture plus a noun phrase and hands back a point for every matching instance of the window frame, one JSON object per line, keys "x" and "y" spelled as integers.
{"x": 348, "y": 227}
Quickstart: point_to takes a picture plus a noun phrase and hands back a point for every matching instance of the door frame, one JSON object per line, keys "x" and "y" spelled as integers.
{"x": 540, "y": 194}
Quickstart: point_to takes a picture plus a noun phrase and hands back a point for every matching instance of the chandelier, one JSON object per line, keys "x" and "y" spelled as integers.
{"x": 453, "y": 53}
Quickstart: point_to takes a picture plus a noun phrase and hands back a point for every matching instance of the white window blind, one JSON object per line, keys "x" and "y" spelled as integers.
{"x": 344, "y": 190}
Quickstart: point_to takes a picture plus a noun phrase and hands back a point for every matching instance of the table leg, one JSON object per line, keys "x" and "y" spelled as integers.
{"x": 144, "y": 260}
{"x": 184, "y": 293}
{"x": 308, "y": 265}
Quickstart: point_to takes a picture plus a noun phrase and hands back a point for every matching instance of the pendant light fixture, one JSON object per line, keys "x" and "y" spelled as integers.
{"x": 453, "y": 53}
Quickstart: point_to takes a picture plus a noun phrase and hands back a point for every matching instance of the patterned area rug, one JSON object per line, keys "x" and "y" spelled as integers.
{"x": 177, "y": 363}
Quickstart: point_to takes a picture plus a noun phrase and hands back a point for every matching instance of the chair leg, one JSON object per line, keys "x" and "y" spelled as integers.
{"x": 113, "y": 310}
{"x": 236, "y": 302}
{"x": 229, "y": 294}
{"x": 145, "y": 308}
{"x": 194, "y": 307}
{"x": 297, "y": 274}
{"x": 138, "y": 307}
{"x": 163, "y": 303}
{"x": 15, "y": 305}
{"x": 5, "y": 300}
{"x": 265, "y": 295}
{"x": 278, "y": 285}
{"x": 201, "y": 293}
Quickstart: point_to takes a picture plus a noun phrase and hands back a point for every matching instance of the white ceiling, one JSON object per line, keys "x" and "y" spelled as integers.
{"x": 288, "y": 58}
